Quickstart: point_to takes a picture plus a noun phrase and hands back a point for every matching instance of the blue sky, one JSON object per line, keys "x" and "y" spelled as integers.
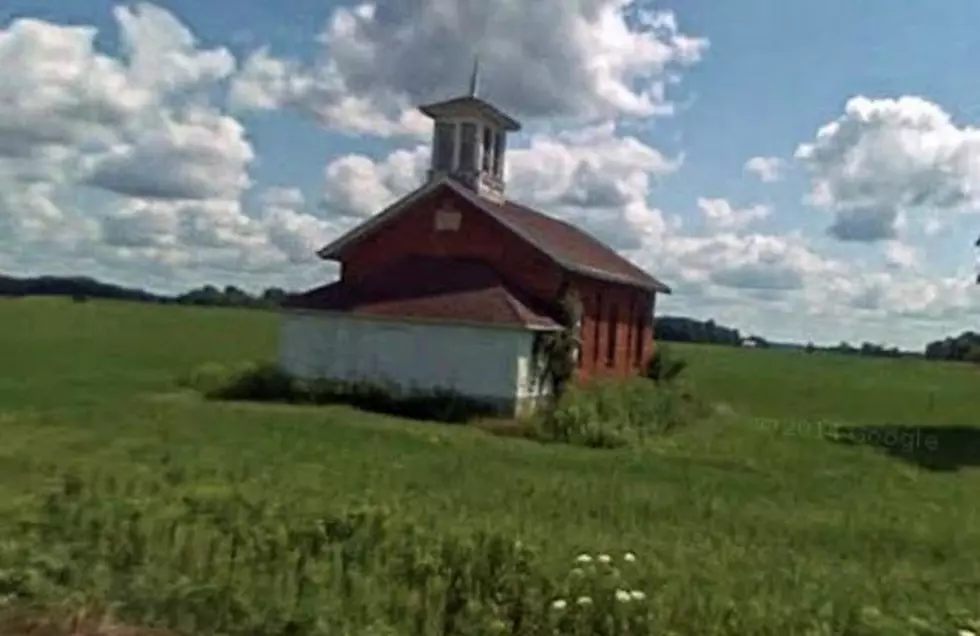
{"x": 179, "y": 142}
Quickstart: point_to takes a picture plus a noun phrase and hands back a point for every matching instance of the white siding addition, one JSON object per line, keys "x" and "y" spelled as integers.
{"x": 485, "y": 363}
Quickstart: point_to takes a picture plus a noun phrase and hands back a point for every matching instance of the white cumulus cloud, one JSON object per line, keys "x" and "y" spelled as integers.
{"x": 720, "y": 215}
{"x": 767, "y": 169}
{"x": 568, "y": 58}
{"x": 884, "y": 159}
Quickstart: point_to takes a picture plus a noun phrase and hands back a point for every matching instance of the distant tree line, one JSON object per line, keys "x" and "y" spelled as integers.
{"x": 870, "y": 349}
{"x": 78, "y": 287}
{"x": 964, "y": 347}
{"x": 681, "y": 329}
{"x": 82, "y": 288}
{"x": 231, "y": 296}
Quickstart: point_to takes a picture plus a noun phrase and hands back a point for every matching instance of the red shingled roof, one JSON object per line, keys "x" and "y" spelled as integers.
{"x": 574, "y": 248}
{"x": 569, "y": 246}
{"x": 431, "y": 288}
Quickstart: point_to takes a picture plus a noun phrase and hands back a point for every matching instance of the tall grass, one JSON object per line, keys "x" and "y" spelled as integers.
{"x": 750, "y": 525}
{"x": 207, "y": 562}
{"x": 164, "y": 553}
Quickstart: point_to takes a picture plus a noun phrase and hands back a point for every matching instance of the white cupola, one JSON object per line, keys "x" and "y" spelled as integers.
{"x": 469, "y": 141}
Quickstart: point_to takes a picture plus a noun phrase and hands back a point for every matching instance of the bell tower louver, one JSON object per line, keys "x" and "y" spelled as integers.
{"x": 469, "y": 140}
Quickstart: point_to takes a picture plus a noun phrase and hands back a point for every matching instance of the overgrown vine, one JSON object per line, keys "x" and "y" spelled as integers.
{"x": 554, "y": 352}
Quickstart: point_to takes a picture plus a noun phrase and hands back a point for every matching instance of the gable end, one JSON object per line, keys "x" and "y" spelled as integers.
{"x": 333, "y": 250}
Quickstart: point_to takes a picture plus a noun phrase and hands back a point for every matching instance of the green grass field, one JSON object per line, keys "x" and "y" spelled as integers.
{"x": 750, "y": 523}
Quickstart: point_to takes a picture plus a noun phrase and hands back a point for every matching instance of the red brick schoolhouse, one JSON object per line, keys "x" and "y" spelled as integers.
{"x": 455, "y": 270}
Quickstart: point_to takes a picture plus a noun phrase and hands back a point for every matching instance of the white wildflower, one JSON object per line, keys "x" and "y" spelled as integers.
{"x": 637, "y": 595}
{"x": 623, "y": 596}
{"x": 584, "y": 600}
{"x": 629, "y": 557}
{"x": 583, "y": 558}
{"x": 967, "y": 632}
{"x": 605, "y": 558}
{"x": 578, "y": 572}
{"x": 559, "y": 604}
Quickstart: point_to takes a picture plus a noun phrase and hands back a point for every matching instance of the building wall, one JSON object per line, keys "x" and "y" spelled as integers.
{"x": 608, "y": 307}
{"x": 485, "y": 363}
{"x": 478, "y": 236}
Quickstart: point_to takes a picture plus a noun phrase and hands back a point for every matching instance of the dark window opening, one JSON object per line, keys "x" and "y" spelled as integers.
{"x": 467, "y": 147}
{"x": 629, "y": 327}
{"x": 488, "y": 143}
{"x": 444, "y": 142}
{"x": 596, "y": 325}
{"x": 611, "y": 337}
{"x": 500, "y": 146}
{"x": 640, "y": 336}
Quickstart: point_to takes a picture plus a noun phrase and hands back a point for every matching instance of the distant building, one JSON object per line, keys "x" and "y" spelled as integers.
{"x": 450, "y": 285}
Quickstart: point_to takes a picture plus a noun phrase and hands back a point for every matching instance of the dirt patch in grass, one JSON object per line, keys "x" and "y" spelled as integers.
{"x": 504, "y": 427}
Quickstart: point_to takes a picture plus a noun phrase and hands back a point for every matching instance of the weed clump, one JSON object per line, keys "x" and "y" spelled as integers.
{"x": 615, "y": 413}
{"x": 262, "y": 382}
{"x": 664, "y": 367}
{"x": 611, "y": 414}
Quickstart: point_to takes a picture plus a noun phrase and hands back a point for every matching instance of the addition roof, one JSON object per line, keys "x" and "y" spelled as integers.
{"x": 431, "y": 289}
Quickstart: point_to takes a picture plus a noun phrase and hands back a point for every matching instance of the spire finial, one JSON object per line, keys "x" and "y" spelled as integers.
{"x": 475, "y": 77}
